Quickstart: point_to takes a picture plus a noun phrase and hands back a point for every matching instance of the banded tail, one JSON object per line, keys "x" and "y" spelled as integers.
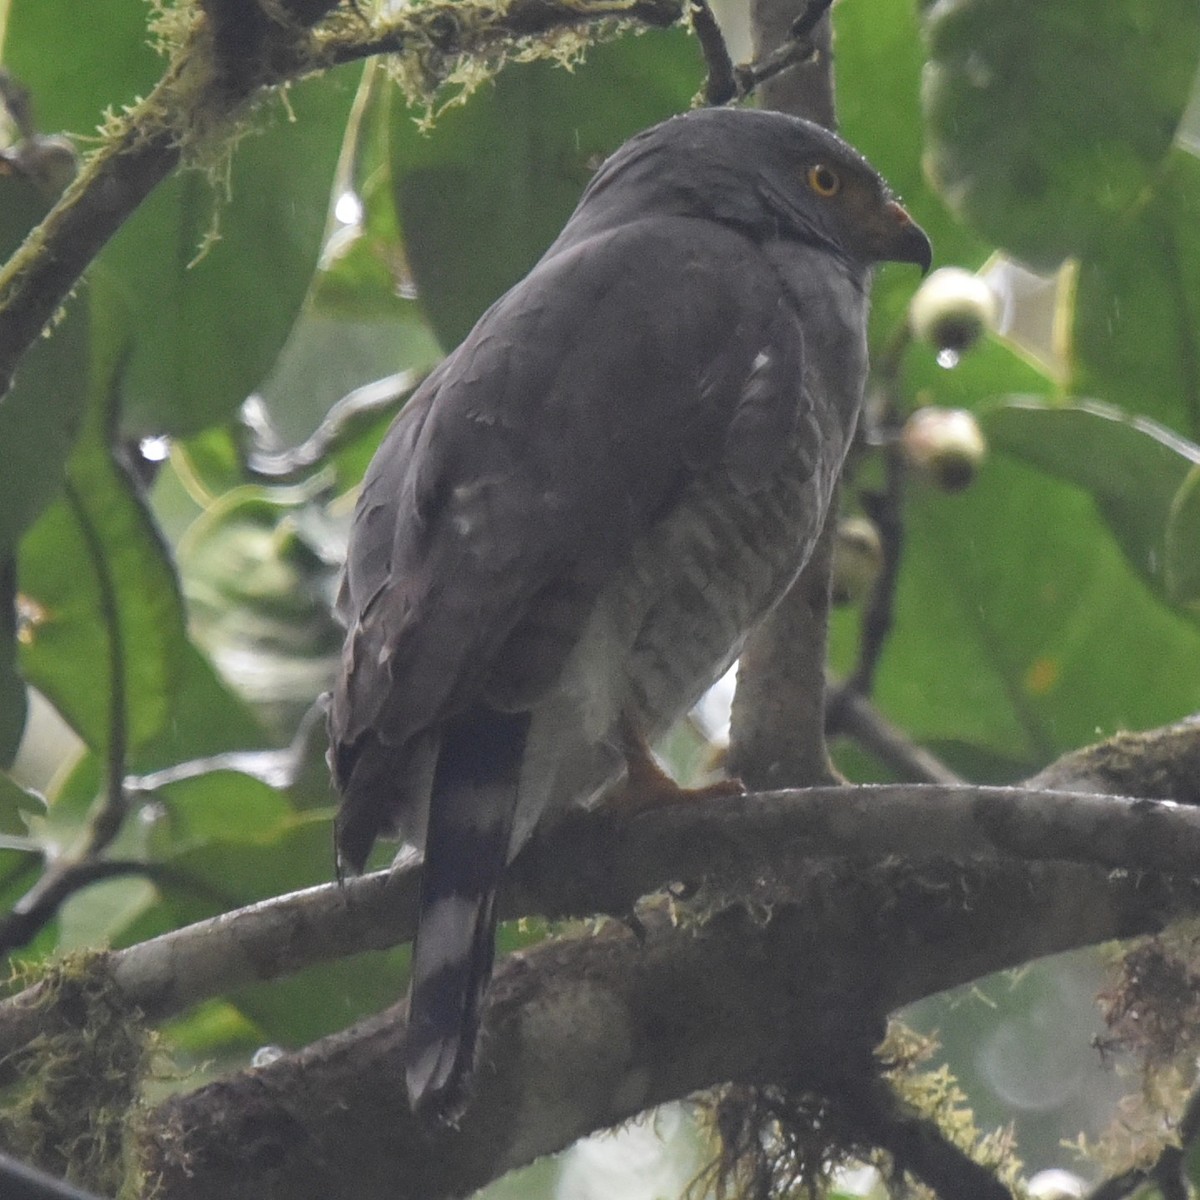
{"x": 471, "y": 810}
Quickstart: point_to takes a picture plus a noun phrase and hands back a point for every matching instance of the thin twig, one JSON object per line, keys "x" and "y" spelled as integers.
{"x": 726, "y": 82}
{"x": 854, "y": 715}
{"x": 886, "y": 510}
{"x": 362, "y": 404}
{"x": 797, "y": 49}
{"x": 721, "y": 85}
{"x": 39, "y": 906}
{"x": 806, "y": 22}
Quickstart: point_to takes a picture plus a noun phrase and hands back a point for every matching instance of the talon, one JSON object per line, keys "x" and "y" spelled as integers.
{"x": 647, "y": 786}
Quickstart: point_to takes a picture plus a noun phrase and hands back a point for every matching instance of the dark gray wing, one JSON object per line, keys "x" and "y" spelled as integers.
{"x": 521, "y": 474}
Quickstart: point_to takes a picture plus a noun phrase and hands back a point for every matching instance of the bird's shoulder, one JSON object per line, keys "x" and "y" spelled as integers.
{"x": 556, "y": 435}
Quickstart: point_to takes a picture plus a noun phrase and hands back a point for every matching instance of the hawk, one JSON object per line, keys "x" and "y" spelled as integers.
{"x": 570, "y": 529}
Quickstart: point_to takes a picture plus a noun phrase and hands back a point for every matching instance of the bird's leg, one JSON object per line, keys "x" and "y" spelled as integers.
{"x": 647, "y": 785}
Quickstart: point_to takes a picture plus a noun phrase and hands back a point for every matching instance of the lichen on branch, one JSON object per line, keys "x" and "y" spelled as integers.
{"x": 226, "y": 57}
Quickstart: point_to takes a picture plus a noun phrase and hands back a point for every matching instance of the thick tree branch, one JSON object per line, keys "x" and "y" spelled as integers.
{"x": 779, "y": 986}
{"x": 777, "y": 731}
{"x": 595, "y": 864}
{"x": 774, "y": 890}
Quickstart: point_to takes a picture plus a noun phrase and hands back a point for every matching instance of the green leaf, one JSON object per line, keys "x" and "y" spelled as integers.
{"x": 101, "y": 590}
{"x": 483, "y": 195}
{"x": 39, "y": 421}
{"x": 208, "y": 718}
{"x": 325, "y": 998}
{"x": 91, "y": 569}
{"x": 363, "y": 321}
{"x": 1132, "y": 467}
{"x": 364, "y": 272}
{"x": 879, "y": 64}
{"x": 76, "y": 69}
{"x": 210, "y": 462}
{"x": 222, "y": 806}
{"x": 1007, "y": 593}
{"x": 96, "y": 915}
{"x": 209, "y": 326}
{"x": 16, "y": 804}
{"x": 329, "y": 356}
{"x": 1136, "y": 320}
{"x": 212, "y": 1029}
{"x": 1044, "y": 124}
{"x": 259, "y": 577}
{"x": 1182, "y": 548}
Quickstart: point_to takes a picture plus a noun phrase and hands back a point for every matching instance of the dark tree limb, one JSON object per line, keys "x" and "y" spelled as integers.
{"x": 721, "y": 86}
{"x": 593, "y": 863}
{"x": 585, "y": 1032}
{"x": 919, "y": 1147}
{"x": 777, "y": 732}
{"x": 788, "y": 919}
{"x": 21, "y": 1182}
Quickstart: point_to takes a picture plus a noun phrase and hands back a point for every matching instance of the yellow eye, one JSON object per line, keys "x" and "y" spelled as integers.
{"x": 823, "y": 180}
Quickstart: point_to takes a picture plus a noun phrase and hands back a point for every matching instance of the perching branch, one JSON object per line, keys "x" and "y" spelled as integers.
{"x": 979, "y": 878}
{"x": 784, "y": 984}
{"x": 592, "y": 863}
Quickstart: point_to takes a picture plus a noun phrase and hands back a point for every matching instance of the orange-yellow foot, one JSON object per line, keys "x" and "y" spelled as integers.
{"x": 648, "y": 786}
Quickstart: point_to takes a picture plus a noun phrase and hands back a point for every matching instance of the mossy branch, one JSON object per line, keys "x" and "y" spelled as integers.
{"x": 214, "y": 78}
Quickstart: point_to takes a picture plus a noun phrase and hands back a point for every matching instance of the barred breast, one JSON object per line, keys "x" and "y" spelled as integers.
{"x": 676, "y": 616}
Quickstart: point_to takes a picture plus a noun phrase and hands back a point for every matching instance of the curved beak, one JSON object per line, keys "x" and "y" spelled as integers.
{"x": 901, "y": 239}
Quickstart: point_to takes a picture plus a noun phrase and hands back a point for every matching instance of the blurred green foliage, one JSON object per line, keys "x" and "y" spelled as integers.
{"x": 1053, "y": 602}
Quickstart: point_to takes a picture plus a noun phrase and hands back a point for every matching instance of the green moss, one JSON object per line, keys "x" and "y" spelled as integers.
{"x": 70, "y": 1111}
{"x": 935, "y": 1095}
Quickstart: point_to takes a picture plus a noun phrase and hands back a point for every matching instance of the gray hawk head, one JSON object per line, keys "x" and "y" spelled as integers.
{"x": 572, "y": 526}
